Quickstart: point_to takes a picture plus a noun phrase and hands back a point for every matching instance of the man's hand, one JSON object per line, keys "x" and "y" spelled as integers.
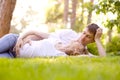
{"x": 101, "y": 50}
{"x": 98, "y": 34}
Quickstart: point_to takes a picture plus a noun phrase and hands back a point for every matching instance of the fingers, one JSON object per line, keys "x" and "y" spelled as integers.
{"x": 99, "y": 30}
{"x": 98, "y": 34}
{"x": 27, "y": 41}
{"x": 17, "y": 50}
{"x": 30, "y": 42}
{"x": 18, "y": 45}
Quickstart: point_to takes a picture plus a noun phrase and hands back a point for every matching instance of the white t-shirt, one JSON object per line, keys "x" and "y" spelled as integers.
{"x": 65, "y": 35}
{"x": 41, "y": 48}
{"x": 46, "y": 47}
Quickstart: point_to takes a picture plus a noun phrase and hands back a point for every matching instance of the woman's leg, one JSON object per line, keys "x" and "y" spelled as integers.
{"x": 8, "y": 42}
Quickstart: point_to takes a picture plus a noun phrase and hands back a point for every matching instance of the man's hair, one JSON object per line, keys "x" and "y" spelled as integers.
{"x": 93, "y": 28}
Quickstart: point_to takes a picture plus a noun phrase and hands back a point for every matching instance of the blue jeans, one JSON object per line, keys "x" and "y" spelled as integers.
{"x": 7, "y": 44}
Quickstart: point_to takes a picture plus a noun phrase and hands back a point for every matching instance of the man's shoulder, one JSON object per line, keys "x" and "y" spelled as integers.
{"x": 67, "y": 31}
{"x": 64, "y": 30}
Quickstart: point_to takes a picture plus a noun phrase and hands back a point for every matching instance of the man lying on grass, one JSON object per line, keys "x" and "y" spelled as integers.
{"x": 30, "y": 40}
{"x": 51, "y": 47}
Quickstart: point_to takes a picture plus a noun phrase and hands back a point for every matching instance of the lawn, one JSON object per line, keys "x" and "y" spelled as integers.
{"x": 61, "y": 68}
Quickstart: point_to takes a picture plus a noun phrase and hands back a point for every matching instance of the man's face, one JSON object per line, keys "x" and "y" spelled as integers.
{"x": 86, "y": 37}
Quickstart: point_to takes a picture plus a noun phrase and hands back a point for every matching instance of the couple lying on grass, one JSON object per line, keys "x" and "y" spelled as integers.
{"x": 62, "y": 43}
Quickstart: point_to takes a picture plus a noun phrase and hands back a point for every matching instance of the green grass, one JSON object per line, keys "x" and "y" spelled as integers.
{"x": 60, "y": 68}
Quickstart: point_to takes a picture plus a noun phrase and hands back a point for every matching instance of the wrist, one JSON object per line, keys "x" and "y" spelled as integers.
{"x": 20, "y": 38}
{"x": 97, "y": 40}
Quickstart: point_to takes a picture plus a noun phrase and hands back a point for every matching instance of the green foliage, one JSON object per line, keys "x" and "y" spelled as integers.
{"x": 54, "y": 13}
{"x": 89, "y": 6}
{"x": 108, "y": 6}
{"x": 112, "y": 6}
{"x": 113, "y": 47}
{"x": 61, "y": 68}
{"x": 92, "y": 48}
{"x": 79, "y": 25}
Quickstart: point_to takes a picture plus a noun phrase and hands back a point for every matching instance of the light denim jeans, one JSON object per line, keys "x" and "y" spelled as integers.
{"x": 7, "y": 44}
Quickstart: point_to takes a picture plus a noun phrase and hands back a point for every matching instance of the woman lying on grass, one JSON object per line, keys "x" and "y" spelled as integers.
{"x": 45, "y": 48}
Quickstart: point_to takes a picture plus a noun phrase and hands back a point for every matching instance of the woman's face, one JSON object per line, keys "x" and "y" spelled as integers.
{"x": 75, "y": 48}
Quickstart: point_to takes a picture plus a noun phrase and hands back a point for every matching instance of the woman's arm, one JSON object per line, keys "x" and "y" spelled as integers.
{"x": 26, "y": 37}
{"x": 101, "y": 50}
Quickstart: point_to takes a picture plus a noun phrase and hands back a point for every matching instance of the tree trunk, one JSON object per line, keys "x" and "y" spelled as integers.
{"x": 73, "y": 15}
{"x": 6, "y": 10}
{"x": 82, "y": 13}
{"x": 90, "y": 13}
{"x": 109, "y": 35}
{"x": 66, "y": 7}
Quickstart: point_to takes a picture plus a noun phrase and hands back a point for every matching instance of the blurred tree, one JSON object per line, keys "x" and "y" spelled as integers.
{"x": 73, "y": 13}
{"x": 82, "y": 13}
{"x": 6, "y": 10}
{"x": 110, "y": 6}
{"x": 66, "y": 7}
{"x": 113, "y": 46}
{"x": 90, "y": 9}
{"x": 54, "y": 13}
{"x": 79, "y": 23}
{"x": 70, "y": 12}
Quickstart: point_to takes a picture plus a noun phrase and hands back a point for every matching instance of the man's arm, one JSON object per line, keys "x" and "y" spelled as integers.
{"x": 36, "y": 33}
{"x": 101, "y": 50}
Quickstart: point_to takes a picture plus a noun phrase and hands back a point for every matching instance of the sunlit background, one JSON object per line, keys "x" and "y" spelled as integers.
{"x": 31, "y": 14}
{"x": 48, "y": 15}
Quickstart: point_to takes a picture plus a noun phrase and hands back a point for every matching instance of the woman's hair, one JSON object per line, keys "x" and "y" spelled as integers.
{"x": 73, "y": 53}
{"x": 93, "y": 28}
{"x": 75, "y": 49}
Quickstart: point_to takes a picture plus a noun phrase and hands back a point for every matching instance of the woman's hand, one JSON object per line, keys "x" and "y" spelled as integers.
{"x": 18, "y": 45}
{"x": 27, "y": 41}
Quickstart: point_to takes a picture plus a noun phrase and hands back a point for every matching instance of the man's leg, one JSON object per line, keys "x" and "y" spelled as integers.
{"x": 5, "y": 55}
{"x": 7, "y": 43}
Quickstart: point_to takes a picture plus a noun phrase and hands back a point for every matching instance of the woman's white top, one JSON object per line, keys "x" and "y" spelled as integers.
{"x": 46, "y": 47}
